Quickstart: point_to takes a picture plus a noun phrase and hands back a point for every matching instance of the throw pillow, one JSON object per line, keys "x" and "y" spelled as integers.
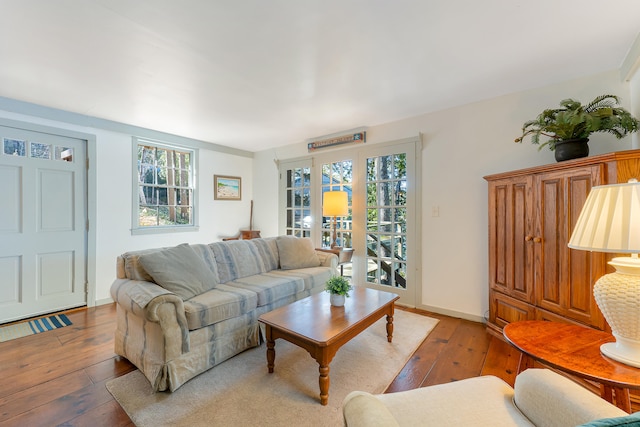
{"x": 179, "y": 270}
{"x": 296, "y": 252}
{"x": 632, "y": 420}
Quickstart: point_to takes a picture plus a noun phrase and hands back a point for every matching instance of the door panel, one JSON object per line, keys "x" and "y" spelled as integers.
{"x": 511, "y": 228}
{"x": 388, "y": 244}
{"x": 565, "y": 277}
{"x": 296, "y": 200}
{"x": 43, "y": 232}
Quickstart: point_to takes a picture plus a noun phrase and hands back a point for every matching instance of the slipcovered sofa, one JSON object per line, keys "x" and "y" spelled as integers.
{"x": 185, "y": 309}
{"x": 540, "y": 397}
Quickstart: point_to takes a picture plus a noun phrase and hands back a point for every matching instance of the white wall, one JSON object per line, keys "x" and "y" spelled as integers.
{"x": 461, "y": 145}
{"x": 113, "y": 199}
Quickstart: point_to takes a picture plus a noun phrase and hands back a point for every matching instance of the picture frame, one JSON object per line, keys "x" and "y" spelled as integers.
{"x": 227, "y": 187}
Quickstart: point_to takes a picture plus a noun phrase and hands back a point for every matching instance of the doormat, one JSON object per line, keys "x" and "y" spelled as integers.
{"x": 35, "y": 326}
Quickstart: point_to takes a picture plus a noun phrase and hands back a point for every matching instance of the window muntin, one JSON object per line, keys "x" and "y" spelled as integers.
{"x": 165, "y": 186}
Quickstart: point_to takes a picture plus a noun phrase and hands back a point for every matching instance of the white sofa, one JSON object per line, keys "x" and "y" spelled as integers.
{"x": 185, "y": 309}
{"x": 540, "y": 397}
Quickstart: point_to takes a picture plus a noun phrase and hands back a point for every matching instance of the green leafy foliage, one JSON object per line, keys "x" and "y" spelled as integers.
{"x": 575, "y": 121}
{"x": 338, "y": 285}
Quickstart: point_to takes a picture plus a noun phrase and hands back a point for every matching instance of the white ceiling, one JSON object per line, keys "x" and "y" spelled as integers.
{"x": 256, "y": 74}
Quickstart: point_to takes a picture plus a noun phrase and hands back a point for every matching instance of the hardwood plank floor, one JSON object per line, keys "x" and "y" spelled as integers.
{"x": 58, "y": 378}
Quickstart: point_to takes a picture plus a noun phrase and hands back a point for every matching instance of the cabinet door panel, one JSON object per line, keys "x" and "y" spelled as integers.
{"x": 584, "y": 267}
{"x": 510, "y": 231}
{"x": 564, "y": 277}
{"x": 505, "y": 310}
{"x": 549, "y": 249}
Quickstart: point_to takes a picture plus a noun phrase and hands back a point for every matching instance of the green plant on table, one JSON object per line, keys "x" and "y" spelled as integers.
{"x": 338, "y": 285}
{"x": 577, "y": 121}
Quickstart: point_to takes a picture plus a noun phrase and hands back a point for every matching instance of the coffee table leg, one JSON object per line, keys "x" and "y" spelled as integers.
{"x": 324, "y": 384}
{"x": 390, "y": 325}
{"x": 271, "y": 352}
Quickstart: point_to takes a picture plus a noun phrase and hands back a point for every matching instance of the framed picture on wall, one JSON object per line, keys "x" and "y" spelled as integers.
{"x": 227, "y": 187}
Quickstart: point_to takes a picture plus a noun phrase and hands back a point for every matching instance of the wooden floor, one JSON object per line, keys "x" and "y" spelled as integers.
{"x": 58, "y": 377}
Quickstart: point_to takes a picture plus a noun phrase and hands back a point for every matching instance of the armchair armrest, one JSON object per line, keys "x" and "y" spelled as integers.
{"x": 549, "y": 399}
{"x": 361, "y": 409}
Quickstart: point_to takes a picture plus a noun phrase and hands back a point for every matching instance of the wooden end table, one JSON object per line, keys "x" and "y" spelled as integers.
{"x": 575, "y": 350}
{"x": 315, "y": 325}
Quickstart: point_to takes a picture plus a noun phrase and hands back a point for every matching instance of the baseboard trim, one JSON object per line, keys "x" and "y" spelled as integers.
{"x": 452, "y": 313}
{"x": 104, "y": 301}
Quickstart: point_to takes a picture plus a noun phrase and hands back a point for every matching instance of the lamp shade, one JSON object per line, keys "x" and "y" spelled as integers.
{"x": 610, "y": 220}
{"x": 335, "y": 203}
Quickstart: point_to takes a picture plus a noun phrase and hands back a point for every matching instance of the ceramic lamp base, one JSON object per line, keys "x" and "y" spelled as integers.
{"x": 623, "y": 350}
{"x": 618, "y": 297}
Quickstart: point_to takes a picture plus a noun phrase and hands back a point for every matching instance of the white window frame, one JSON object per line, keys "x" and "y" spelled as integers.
{"x": 176, "y": 228}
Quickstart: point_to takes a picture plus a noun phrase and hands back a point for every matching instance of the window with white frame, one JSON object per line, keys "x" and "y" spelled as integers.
{"x": 165, "y": 187}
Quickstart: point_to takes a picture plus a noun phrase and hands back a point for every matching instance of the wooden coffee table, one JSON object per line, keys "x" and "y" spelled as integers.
{"x": 315, "y": 325}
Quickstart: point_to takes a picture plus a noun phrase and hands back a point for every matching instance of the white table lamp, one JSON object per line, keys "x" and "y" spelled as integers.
{"x": 335, "y": 203}
{"x": 610, "y": 222}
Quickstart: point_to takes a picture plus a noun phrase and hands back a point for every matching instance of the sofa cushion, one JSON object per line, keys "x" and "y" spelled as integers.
{"x": 221, "y": 303}
{"x": 179, "y": 270}
{"x": 236, "y": 259}
{"x": 312, "y": 278}
{"x": 132, "y": 267}
{"x": 206, "y": 254}
{"x": 268, "y": 250}
{"x": 296, "y": 252}
{"x": 269, "y": 287}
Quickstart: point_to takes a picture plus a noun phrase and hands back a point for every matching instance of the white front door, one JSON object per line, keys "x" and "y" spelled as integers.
{"x": 43, "y": 223}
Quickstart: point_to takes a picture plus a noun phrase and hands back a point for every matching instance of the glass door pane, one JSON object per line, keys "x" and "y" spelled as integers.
{"x": 298, "y": 201}
{"x": 386, "y": 221}
{"x": 338, "y": 176}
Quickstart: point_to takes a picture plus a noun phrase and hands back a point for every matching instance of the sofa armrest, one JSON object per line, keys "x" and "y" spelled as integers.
{"x": 549, "y": 399}
{"x": 327, "y": 259}
{"x": 361, "y": 409}
{"x": 153, "y": 303}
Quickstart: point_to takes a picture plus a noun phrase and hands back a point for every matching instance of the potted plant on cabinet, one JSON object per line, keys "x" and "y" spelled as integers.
{"x": 339, "y": 288}
{"x": 568, "y": 128}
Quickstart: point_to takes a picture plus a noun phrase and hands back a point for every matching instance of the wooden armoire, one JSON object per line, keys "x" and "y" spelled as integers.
{"x": 532, "y": 272}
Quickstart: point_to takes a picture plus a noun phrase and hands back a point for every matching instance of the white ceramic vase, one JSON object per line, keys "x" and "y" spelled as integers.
{"x": 336, "y": 300}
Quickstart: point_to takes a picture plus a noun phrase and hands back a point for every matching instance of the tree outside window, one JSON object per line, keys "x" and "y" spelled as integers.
{"x": 165, "y": 186}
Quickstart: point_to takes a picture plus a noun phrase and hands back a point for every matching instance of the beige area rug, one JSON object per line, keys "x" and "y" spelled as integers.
{"x": 240, "y": 391}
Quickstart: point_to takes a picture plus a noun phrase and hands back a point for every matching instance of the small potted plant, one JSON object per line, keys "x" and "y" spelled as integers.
{"x": 339, "y": 288}
{"x": 568, "y": 128}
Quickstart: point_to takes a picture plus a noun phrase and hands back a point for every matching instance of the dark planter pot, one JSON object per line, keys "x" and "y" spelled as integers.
{"x": 571, "y": 149}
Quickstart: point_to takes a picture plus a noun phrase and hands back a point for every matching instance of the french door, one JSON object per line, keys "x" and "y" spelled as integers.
{"x": 382, "y": 226}
{"x": 388, "y": 231}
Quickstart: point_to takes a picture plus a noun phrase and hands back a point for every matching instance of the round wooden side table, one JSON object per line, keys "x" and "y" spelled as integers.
{"x": 575, "y": 350}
